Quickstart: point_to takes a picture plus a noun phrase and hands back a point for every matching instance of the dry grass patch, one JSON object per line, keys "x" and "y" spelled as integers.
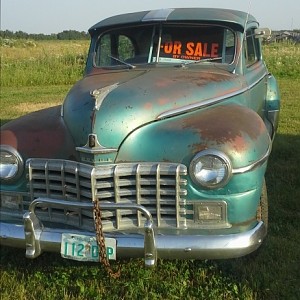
{"x": 27, "y": 107}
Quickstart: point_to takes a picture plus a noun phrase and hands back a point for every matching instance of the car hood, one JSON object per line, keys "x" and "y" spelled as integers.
{"x": 113, "y": 104}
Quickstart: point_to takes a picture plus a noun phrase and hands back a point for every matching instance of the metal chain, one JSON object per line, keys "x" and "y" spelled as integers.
{"x": 101, "y": 242}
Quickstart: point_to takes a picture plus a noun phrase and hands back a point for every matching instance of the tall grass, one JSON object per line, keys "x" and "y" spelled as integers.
{"x": 283, "y": 59}
{"x": 42, "y": 63}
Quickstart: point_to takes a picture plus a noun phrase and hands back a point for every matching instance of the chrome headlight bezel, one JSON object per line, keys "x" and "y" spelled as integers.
{"x": 10, "y": 171}
{"x": 216, "y": 157}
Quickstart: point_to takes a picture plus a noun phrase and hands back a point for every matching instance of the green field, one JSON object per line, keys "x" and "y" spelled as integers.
{"x": 35, "y": 75}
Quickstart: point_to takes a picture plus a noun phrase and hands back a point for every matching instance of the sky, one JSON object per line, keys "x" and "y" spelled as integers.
{"x": 54, "y": 16}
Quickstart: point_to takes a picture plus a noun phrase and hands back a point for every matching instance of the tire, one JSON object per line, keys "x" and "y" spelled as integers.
{"x": 262, "y": 209}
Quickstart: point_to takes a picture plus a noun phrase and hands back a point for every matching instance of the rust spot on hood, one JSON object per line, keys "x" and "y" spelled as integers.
{"x": 204, "y": 78}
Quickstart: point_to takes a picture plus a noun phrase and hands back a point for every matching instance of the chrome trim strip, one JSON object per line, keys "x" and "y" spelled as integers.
{"x": 253, "y": 165}
{"x": 207, "y": 102}
{"x": 99, "y": 94}
{"x": 158, "y": 15}
{"x": 97, "y": 148}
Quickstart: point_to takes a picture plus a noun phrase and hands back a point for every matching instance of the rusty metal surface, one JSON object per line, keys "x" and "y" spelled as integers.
{"x": 139, "y": 98}
{"x": 40, "y": 134}
{"x": 236, "y": 130}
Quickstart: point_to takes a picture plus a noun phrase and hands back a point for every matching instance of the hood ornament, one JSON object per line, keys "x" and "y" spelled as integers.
{"x": 93, "y": 146}
{"x": 99, "y": 94}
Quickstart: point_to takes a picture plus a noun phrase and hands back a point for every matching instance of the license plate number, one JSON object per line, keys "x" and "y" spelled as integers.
{"x": 85, "y": 248}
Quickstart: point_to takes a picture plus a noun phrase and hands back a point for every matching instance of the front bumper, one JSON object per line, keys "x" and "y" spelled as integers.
{"x": 36, "y": 238}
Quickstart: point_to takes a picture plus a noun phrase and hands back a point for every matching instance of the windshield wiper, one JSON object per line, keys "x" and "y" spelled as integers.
{"x": 202, "y": 60}
{"x": 130, "y": 66}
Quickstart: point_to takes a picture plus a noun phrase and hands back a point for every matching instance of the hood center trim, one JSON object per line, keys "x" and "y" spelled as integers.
{"x": 99, "y": 94}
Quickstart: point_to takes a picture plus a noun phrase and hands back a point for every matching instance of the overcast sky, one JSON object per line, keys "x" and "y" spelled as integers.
{"x": 54, "y": 16}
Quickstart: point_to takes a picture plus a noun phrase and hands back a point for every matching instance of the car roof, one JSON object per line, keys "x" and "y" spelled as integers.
{"x": 216, "y": 15}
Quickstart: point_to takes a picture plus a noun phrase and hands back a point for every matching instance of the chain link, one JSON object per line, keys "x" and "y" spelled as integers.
{"x": 101, "y": 242}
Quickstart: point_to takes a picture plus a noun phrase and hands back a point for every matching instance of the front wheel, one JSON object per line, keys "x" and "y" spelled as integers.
{"x": 262, "y": 210}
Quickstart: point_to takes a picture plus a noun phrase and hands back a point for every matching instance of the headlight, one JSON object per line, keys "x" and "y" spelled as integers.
{"x": 211, "y": 169}
{"x": 11, "y": 163}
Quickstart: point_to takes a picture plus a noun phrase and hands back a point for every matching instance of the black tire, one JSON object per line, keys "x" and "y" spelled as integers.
{"x": 262, "y": 210}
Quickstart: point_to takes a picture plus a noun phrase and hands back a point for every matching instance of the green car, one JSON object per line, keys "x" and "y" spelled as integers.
{"x": 159, "y": 151}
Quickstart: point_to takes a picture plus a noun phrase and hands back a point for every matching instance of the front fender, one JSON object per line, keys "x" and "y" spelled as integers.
{"x": 39, "y": 134}
{"x": 235, "y": 130}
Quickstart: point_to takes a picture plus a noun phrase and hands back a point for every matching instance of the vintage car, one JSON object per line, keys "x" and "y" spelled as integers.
{"x": 160, "y": 151}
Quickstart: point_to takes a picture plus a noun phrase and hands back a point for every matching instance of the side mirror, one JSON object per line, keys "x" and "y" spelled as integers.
{"x": 262, "y": 32}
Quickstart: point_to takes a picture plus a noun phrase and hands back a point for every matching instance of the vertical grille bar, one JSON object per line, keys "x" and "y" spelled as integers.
{"x": 117, "y": 195}
{"x": 138, "y": 193}
{"x": 177, "y": 197}
{"x": 77, "y": 183}
{"x": 30, "y": 181}
{"x": 63, "y": 185}
{"x": 63, "y": 180}
{"x": 47, "y": 179}
{"x": 158, "y": 195}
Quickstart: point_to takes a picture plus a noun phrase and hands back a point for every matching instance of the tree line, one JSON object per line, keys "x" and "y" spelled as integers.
{"x": 64, "y": 35}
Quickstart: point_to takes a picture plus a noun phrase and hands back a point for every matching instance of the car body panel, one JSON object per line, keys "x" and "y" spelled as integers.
{"x": 148, "y": 94}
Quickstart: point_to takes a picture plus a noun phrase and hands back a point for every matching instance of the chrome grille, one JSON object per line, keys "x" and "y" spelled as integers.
{"x": 159, "y": 187}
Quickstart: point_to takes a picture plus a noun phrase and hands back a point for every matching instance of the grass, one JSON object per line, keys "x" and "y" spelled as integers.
{"x": 271, "y": 273}
{"x": 283, "y": 59}
{"x": 42, "y": 63}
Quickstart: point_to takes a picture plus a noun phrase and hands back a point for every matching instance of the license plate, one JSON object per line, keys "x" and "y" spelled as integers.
{"x": 85, "y": 248}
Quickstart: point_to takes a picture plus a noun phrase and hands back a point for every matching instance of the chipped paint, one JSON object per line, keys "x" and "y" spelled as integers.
{"x": 40, "y": 134}
{"x": 138, "y": 99}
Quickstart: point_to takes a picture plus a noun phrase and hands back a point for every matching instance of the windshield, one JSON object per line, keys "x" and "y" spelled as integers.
{"x": 179, "y": 43}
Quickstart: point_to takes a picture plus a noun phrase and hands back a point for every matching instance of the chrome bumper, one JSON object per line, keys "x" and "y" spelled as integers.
{"x": 36, "y": 238}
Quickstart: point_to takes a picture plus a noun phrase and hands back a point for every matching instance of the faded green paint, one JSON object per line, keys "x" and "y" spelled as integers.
{"x": 140, "y": 98}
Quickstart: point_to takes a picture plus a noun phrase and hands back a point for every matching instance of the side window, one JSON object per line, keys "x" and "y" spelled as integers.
{"x": 113, "y": 48}
{"x": 104, "y": 51}
{"x": 251, "y": 48}
{"x": 229, "y": 46}
{"x": 125, "y": 48}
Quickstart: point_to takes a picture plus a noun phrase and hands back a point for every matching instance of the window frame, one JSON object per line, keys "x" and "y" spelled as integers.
{"x": 251, "y": 43}
{"x": 158, "y": 27}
